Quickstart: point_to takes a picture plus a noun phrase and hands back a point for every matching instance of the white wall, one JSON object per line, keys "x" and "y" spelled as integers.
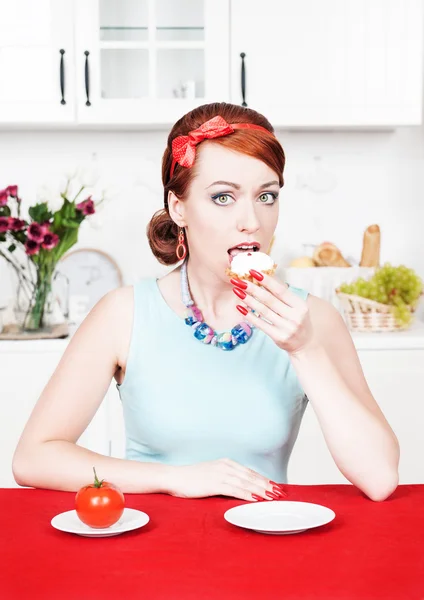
{"x": 373, "y": 177}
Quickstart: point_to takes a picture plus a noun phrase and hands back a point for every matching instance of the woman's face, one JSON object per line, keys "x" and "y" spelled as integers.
{"x": 232, "y": 201}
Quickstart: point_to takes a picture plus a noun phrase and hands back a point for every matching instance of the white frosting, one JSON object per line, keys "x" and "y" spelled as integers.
{"x": 244, "y": 261}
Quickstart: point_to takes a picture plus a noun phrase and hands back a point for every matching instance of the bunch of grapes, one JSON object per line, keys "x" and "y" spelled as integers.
{"x": 398, "y": 286}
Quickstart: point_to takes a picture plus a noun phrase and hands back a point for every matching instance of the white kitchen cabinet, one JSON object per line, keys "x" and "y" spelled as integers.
{"x": 25, "y": 368}
{"x": 36, "y": 62}
{"x": 396, "y": 379}
{"x": 150, "y": 61}
{"x": 332, "y": 63}
{"x": 393, "y": 365}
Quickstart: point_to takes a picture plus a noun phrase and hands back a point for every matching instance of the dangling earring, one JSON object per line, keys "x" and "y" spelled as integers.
{"x": 181, "y": 248}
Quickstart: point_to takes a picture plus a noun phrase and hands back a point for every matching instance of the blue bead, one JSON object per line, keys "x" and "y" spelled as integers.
{"x": 225, "y": 341}
{"x": 202, "y": 331}
{"x": 240, "y": 334}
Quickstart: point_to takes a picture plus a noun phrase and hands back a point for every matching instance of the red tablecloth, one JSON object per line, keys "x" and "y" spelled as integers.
{"x": 189, "y": 552}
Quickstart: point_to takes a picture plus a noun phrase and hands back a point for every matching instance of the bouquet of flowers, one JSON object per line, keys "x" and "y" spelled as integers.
{"x": 34, "y": 246}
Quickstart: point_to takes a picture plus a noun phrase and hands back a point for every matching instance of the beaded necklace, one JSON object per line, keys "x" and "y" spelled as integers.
{"x": 240, "y": 334}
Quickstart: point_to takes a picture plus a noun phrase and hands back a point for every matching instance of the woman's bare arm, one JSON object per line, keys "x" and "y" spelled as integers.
{"x": 47, "y": 455}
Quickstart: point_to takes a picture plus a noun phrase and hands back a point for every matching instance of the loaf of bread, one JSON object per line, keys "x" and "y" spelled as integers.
{"x": 371, "y": 247}
{"x": 328, "y": 255}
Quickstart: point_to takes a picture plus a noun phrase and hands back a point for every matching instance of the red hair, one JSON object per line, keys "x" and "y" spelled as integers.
{"x": 162, "y": 232}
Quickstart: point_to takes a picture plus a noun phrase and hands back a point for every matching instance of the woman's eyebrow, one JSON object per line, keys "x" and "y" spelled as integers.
{"x": 237, "y": 186}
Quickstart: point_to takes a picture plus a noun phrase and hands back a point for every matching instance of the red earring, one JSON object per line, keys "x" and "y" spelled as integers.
{"x": 181, "y": 248}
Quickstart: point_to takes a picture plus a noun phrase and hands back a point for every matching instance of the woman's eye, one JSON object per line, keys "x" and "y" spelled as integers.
{"x": 222, "y": 199}
{"x": 268, "y": 198}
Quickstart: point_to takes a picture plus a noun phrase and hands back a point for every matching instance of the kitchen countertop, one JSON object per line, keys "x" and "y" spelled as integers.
{"x": 411, "y": 339}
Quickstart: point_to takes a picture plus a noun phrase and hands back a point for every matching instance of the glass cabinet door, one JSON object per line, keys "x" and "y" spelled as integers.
{"x": 149, "y": 61}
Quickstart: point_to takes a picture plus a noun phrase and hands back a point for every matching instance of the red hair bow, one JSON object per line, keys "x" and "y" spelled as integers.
{"x": 184, "y": 146}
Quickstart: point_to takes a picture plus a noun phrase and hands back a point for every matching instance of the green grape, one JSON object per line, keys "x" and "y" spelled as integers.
{"x": 399, "y": 287}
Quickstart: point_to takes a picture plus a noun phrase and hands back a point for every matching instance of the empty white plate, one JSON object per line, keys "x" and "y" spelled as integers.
{"x": 279, "y": 517}
{"x": 69, "y": 522}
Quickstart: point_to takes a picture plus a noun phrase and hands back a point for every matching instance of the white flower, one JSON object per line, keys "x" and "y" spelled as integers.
{"x": 50, "y": 195}
{"x": 95, "y": 221}
{"x": 70, "y": 172}
{"x": 88, "y": 175}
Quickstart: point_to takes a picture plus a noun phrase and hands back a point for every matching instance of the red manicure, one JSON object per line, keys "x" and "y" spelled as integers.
{"x": 243, "y": 310}
{"x": 239, "y": 293}
{"x": 256, "y": 274}
{"x": 239, "y": 283}
{"x": 272, "y": 496}
{"x": 278, "y": 490}
{"x": 258, "y": 498}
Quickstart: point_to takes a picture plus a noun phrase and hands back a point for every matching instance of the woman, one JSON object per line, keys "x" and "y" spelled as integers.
{"x": 201, "y": 421}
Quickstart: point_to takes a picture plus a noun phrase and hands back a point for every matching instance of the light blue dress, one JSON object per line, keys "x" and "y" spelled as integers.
{"x": 186, "y": 402}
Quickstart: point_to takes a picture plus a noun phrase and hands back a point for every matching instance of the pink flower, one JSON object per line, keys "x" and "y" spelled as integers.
{"x": 36, "y": 232}
{"x": 87, "y": 207}
{"x": 4, "y": 224}
{"x": 3, "y": 197}
{"x": 32, "y": 247}
{"x": 12, "y": 190}
{"x": 50, "y": 241}
{"x": 16, "y": 224}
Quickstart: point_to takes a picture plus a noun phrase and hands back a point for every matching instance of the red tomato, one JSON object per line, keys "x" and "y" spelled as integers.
{"x": 99, "y": 504}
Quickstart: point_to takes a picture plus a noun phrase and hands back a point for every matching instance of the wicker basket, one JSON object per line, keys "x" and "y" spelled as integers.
{"x": 363, "y": 314}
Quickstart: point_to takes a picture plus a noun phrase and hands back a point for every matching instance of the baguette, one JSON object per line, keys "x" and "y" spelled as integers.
{"x": 371, "y": 247}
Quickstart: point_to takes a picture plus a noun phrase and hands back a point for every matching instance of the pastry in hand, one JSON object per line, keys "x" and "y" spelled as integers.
{"x": 242, "y": 262}
{"x": 328, "y": 255}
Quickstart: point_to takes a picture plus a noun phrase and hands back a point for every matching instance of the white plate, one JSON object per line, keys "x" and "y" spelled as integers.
{"x": 69, "y": 522}
{"x": 279, "y": 517}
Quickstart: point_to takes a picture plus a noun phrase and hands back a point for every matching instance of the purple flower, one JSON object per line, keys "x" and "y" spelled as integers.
{"x": 32, "y": 247}
{"x": 36, "y": 232}
{"x": 12, "y": 190}
{"x": 16, "y": 224}
{"x": 3, "y": 197}
{"x": 50, "y": 241}
{"x": 4, "y": 224}
{"x": 87, "y": 207}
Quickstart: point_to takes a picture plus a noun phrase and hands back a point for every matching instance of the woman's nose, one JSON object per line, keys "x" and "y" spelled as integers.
{"x": 248, "y": 219}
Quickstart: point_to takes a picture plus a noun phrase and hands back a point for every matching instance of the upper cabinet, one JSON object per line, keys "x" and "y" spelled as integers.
{"x": 329, "y": 63}
{"x": 150, "y": 61}
{"x": 303, "y": 63}
{"x": 36, "y": 61}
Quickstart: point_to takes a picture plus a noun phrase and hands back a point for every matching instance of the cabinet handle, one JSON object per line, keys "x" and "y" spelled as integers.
{"x": 62, "y": 77}
{"x": 243, "y": 79}
{"x": 87, "y": 79}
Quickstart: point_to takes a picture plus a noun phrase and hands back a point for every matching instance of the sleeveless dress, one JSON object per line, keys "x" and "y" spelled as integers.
{"x": 186, "y": 402}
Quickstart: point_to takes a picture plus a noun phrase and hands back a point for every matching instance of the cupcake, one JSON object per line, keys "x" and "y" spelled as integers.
{"x": 244, "y": 261}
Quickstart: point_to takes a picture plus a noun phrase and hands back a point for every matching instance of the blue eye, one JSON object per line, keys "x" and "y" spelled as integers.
{"x": 268, "y": 198}
{"x": 220, "y": 199}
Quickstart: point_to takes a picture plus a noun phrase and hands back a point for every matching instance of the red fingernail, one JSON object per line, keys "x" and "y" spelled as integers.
{"x": 243, "y": 310}
{"x": 239, "y": 283}
{"x": 277, "y": 490}
{"x": 258, "y": 498}
{"x": 256, "y": 274}
{"x": 272, "y": 496}
{"x": 239, "y": 293}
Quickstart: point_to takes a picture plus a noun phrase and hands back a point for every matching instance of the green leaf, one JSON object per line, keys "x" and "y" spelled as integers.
{"x": 70, "y": 224}
{"x": 12, "y": 247}
{"x": 5, "y": 211}
{"x": 40, "y": 212}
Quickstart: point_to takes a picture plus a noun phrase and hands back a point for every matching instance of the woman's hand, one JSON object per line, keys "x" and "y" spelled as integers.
{"x": 289, "y": 322}
{"x": 223, "y": 477}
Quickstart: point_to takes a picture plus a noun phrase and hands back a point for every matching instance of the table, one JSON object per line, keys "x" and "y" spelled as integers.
{"x": 371, "y": 551}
